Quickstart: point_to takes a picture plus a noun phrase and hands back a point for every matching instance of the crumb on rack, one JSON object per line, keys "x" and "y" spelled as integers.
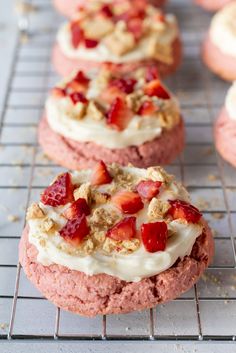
{"x": 212, "y": 177}
{"x": 13, "y": 218}
{"x": 217, "y": 215}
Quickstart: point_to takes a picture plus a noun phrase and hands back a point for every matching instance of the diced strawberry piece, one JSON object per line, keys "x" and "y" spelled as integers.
{"x": 127, "y": 201}
{"x": 156, "y": 89}
{"x": 126, "y": 85}
{"x": 78, "y": 97}
{"x": 160, "y": 17}
{"x": 58, "y": 92}
{"x": 90, "y": 43}
{"x": 77, "y": 34}
{"x": 183, "y": 210}
{"x": 74, "y": 86}
{"x": 77, "y": 209}
{"x": 100, "y": 174}
{"x": 81, "y": 78}
{"x": 60, "y": 192}
{"x": 154, "y": 236}
{"x": 135, "y": 26}
{"x": 75, "y": 230}
{"x": 123, "y": 230}
{"x": 148, "y": 188}
{"x": 119, "y": 115}
{"x": 147, "y": 108}
{"x": 110, "y": 93}
{"x": 106, "y": 11}
{"x": 151, "y": 73}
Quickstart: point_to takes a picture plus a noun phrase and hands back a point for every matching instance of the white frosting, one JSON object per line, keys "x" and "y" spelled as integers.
{"x": 223, "y": 29}
{"x": 137, "y": 132}
{"x": 132, "y": 267}
{"x": 102, "y": 54}
{"x": 230, "y": 102}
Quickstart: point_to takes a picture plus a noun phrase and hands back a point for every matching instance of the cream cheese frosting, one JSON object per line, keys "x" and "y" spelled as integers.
{"x": 102, "y": 54}
{"x": 62, "y": 117}
{"x": 223, "y": 29}
{"x": 230, "y": 102}
{"x": 52, "y": 248}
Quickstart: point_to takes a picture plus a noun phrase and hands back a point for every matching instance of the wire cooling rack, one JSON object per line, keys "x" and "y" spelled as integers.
{"x": 207, "y": 311}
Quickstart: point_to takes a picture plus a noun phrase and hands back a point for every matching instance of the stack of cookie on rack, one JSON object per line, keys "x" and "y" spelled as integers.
{"x": 118, "y": 233}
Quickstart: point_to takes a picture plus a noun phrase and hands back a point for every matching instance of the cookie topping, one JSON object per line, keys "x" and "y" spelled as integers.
{"x": 120, "y": 30}
{"x": 126, "y": 213}
{"x": 75, "y": 230}
{"x": 123, "y": 230}
{"x": 127, "y": 201}
{"x": 110, "y": 108}
{"x": 100, "y": 175}
{"x": 182, "y": 210}
{"x": 154, "y": 236}
{"x": 60, "y": 192}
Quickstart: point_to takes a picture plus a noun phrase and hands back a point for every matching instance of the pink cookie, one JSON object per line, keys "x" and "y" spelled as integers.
{"x": 212, "y": 5}
{"x": 64, "y": 66}
{"x": 114, "y": 240}
{"x": 76, "y": 155}
{"x": 221, "y": 64}
{"x": 103, "y": 294}
{"x": 68, "y": 8}
{"x": 129, "y": 118}
{"x": 225, "y": 137}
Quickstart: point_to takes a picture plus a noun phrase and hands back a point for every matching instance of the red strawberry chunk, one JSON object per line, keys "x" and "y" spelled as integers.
{"x": 60, "y": 192}
{"x": 126, "y": 85}
{"x": 77, "y": 34}
{"x": 78, "y": 97}
{"x": 90, "y": 43}
{"x": 147, "y": 108}
{"x": 106, "y": 11}
{"x": 100, "y": 174}
{"x": 183, "y": 210}
{"x": 154, "y": 236}
{"x": 151, "y": 73}
{"x": 156, "y": 89}
{"x": 77, "y": 209}
{"x": 127, "y": 201}
{"x": 81, "y": 78}
{"x": 75, "y": 230}
{"x": 123, "y": 230}
{"x": 58, "y": 92}
{"x": 135, "y": 26}
{"x": 119, "y": 115}
{"x": 148, "y": 188}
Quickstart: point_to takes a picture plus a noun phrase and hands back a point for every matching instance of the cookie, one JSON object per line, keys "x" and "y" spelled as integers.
{"x": 225, "y": 128}
{"x": 131, "y": 118}
{"x": 212, "y": 5}
{"x": 69, "y": 8}
{"x": 114, "y": 240}
{"x": 219, "y": 48}
{"x": 125, "y": 36}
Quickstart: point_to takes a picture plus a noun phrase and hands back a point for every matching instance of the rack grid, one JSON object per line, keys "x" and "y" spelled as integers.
{"x": 206, "y": 312}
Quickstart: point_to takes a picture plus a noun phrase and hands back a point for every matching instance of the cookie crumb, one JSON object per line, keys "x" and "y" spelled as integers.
{"x": 13, "y": 218}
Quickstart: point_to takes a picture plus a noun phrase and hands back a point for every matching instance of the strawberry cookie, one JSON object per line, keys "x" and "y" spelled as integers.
{"x": 212, "y": 5}
{"x": 225, "y": 128}
{"x": 119, "y": 33}
{"x": 128, "y": 118}
{"x": 219, "y": 49}
{"x": 69, "y": 8}
{"x": 114, "y": 240}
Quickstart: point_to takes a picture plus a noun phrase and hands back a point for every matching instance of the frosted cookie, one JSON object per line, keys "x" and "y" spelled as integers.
{"x": 219, "y": 49}
{"x": 119, "y": 33}
{"x": 212, "y": 5}
{"x": 114, "y": 240}
{"x": 225, "y": 128}
{"x": 69, "y": 8}
{"x": 130, "y": 118}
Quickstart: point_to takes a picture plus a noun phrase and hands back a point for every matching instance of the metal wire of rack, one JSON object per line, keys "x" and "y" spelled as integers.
{"x": 25, "y": 171}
